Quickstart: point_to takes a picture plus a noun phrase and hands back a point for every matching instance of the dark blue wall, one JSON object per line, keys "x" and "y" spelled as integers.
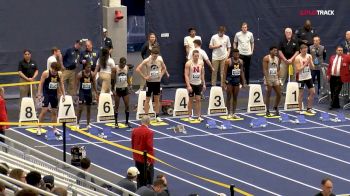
{"x": 266, "y": 19}
{"x": 39, "y": 25}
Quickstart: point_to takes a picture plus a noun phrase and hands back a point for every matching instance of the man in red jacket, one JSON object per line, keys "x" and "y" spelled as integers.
{"x": 3, "y": 113}
{"x": 142, "y": 140}
{"x": 337, "y": 74}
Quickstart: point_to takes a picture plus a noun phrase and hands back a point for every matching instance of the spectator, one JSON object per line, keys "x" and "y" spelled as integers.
{"x": 55, "y": 57}
{"x": 28, "y": 71}
{"x": 337, "y": 74}
{"x": 2, "y": 189}
{"x": 34, "y": 178}
{"x": 85, "y": 164}
{"x": 165, "y": 191}
{"x": 202, "y": 54}
{"x": 221, "y": 45}
{"x": 129, "y": 182}
{"x": 89, "y": 55}
{"x": 18, "y": 174}
{"x": 70, "y": 62}
{"x": 305, "y": 34}
{"x": 145, "y": 53}
{"x": 288, "y": 49}
{"x": 142, "y": 140}
{"x": 4, "y": 169}
{"x": 60, "y": 191}
{"x": 105, "y": 64}
{"x": 3, "y": 114}
{"x": 27, "y": 192}
{"x": 346, "y": 43}
{"x": 318, "y": 53}
{"x": 107, "y": 41}
{"x": 327, "y": 187}
{"x": 49, "y": 181}
{"x": 244, "y": 42}
{"x": 188, "y": 40}
{"x": 151, "y": 190}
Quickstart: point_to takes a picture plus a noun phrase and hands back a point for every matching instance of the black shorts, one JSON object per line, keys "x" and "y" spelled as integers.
{"x": 85, "y": 98}
{"x": 50, "y": 99}
{"x": 122, "y": 92}
{"x": 196, "y": 90}
{"x": 308, "y": 83}
{"x": 152, "y": 88}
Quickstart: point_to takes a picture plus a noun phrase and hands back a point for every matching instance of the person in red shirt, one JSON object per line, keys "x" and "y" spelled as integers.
{"x": 142, "y": 140}
{"x": 3, "y": 113}
{"x": 337, "y": 74}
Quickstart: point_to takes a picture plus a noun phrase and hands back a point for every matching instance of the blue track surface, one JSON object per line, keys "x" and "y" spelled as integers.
{"x": 281, "y": 159}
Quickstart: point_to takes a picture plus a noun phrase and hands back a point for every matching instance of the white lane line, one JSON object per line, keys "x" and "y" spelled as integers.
{"x": 114, "y": 152}
{"x": 294, "y": 145}
{"x": 199, "y": 165}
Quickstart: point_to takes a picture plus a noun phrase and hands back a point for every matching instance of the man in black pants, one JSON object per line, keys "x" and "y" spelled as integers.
{"x": 244, "y": 42}
{"x": 337, "y": 74}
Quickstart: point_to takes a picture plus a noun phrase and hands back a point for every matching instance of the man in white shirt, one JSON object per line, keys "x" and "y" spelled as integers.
{"x": 220, "y": 43}
{"x": 188, "y": 40}
{"x": 244, "y": 42}
{"x": 202, "y": 54}
{"x": 55, "y": 57}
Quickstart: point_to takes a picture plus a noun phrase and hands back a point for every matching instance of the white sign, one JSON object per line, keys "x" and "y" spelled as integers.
{"x": 66, "y": 112}
{"x": 292, "y": 94}
{"x": 216, "y": 101}
{"x": 141, "y": 106}
{"x": 105, "y": 110}
{"x": 256, "y": 100}
{"x": 181, "y": 102}
{"x": 27, "y": 112}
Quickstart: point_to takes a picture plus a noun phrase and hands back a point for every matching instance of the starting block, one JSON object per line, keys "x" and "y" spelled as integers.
{"x": 284, "y": 118}
{"x": 258, "y": 123}
{"x": 50, "y": 135}
{"x": 324, "y": 116}
{"x": 225, "y": 125}
{"x": 179, "y": 129}
{"x": 339, "y": 118}
{"x": 211, "y": 124}
{"x": 300, "y": 119}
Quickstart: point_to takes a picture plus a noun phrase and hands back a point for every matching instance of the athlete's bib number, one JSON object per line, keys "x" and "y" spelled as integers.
{"x": 273, "y": 71}
{"x": 122, "y": 78}
{"x": 306, "y": 69}
{"x": 196, "y": 76}
{"x": 236, "y": 72}
{"x": 86, "y": 86}
{"x": 154, "y": 74}
{"x": 53, "y": 85}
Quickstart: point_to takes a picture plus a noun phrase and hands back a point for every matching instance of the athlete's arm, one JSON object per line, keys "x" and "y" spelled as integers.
{"x": 139, "y": 70}
{"x": 298, "y": 65}
{"x": 41, "y": 84}
{"x": 242, "y": 74}
{"x": 61, "y": 87}
{"x": 265, "y": 66}
{"x": 186, "y": 74}
{"x": 227, "y": 62}
{"x": 202, "y": 76}
{"x": 77, "y": 82}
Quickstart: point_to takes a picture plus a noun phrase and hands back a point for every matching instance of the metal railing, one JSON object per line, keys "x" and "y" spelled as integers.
{"x": 59, "y": 167}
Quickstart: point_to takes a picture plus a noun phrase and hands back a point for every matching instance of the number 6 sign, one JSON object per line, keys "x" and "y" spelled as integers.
{"x": 105, "y": 110}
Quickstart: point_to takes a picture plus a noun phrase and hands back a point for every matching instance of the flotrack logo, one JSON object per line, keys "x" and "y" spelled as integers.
{"x": 316, "y": 13}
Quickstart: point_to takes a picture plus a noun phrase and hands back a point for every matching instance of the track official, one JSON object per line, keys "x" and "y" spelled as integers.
{"x": 142, "y": 140}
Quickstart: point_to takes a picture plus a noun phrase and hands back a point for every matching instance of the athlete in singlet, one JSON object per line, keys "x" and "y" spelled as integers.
{"x": 234, "y": 74}
{"x": 195, "y": 82}
{"x": 304, "y": 64}
{"x": 271, "y": 71}
{"x": 121, "y": 83}
{"x": 85, "y": 84}
{"x": 50, "y": 87}
{"x": 155, "y": 69}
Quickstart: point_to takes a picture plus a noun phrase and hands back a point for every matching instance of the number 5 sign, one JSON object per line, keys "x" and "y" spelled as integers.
{"x": 105, "y": 110}
{"x": 181, "y": 102}
{"x": 66, "y": 111}
{"x": 27, "y": 113}
{"x": 216, "y": 101}
{"x": 256, "y": 102}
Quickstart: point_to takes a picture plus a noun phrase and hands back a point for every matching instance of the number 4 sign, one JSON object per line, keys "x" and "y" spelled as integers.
{"x": 66, "y": 111}
{"x": 27, "y": 113}
{"x": 181, "y": 102}
{"x": 216, "y": 101}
